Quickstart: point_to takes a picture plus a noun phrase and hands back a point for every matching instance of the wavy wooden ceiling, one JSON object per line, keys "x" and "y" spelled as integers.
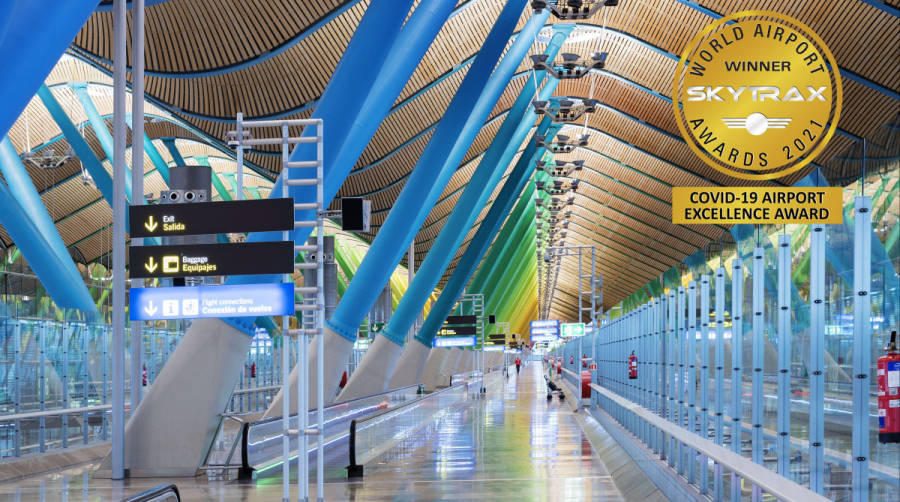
{"x": 209, "y": 59}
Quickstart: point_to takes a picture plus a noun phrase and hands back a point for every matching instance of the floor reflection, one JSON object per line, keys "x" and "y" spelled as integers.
{"x": 511, "y": 444}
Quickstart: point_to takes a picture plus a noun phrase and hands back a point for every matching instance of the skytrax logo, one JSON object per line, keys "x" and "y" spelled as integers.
{"x": 757, "y": 95}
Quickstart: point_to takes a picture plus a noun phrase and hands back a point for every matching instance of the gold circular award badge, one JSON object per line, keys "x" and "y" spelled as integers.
{"x": 757, "y": 95}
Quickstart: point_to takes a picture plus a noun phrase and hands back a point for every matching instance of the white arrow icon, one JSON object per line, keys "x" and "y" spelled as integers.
{"x": 150, "y": 309}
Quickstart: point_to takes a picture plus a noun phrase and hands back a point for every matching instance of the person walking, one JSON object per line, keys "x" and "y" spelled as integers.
{"x": 518, "y": 364}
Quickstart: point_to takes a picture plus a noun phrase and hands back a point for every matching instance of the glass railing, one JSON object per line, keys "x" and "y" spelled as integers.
{"x": 261, "y": 441}
{"x": 373, "y": 435}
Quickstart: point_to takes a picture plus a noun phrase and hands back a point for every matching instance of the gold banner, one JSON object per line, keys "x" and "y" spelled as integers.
{"x": 734, "y": 205}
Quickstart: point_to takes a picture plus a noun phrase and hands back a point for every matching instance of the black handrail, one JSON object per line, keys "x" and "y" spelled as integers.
{"x": 153, "y": 494}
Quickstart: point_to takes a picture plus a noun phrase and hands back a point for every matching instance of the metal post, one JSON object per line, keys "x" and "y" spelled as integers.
{"x": 784, "y": 354}
{"x": 239, "y": 183}
{"x": 320, "y": 284}
{"x": 40, "y": 327}
{"x": 663, "y": 368}
{"x": 704, "y": 377}
{"x": 720, "y": 376}
{"x": 85, "y": 373}
{"x": 580, "y": 286}
{"x": 137, "y": 174}
{"x": 757, "y": 281}
{"x": 737, "y": 340}
{"x": 862, "y": 344}
{"x": 671, "y": 355}
{"x": 64, "y": 341}
{"x": 681, "y": 354}
{"x": 692, "y": 374}
{"x": 17, "y": 390}
{"x": 119, "y": 208}
{"x": 817, "y": 359}
{"x": 285, "y": 352}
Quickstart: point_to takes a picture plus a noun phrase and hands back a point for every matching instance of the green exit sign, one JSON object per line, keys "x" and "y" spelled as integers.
{"x": 572, "y": 330}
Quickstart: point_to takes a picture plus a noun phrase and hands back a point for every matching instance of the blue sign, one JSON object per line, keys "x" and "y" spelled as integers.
{"x": 192, "y": 302}
{"x": 545, "y": 330}
{"x": 454, "y": 341}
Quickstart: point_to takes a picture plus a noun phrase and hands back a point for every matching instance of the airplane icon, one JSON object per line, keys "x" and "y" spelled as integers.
{"x": 756, "y": 123}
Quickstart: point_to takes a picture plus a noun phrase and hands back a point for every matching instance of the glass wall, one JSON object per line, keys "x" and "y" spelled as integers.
{"x": 767, "y": 408}
{"x": 55, "y": 364}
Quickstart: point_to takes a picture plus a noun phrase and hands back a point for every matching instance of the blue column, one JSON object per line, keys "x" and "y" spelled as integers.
{"x": 33, "y": 35}
{"x": 467, "y": 208}
{"x": 405, "y": 55}
{"x": 357, "y": 75}
{"x": 484, "y": 237}
{"x": 100, "y": 130}
{"x": 452, "y": 137}
{"x": 26, "y": 219}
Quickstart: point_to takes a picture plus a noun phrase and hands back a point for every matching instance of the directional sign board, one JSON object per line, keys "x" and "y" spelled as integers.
{"x": 458, "y": 330}
{"x": 545, "y": 329}
{"x": 245, "y": 300}
{"x": 163, "y": 220}
{"x": 454, "y": 341}
{"x": 494, "y": 348}
{"x": 247, "y": 258}
{"x": 573, "y": 330}
{"x": 544, "y": 338}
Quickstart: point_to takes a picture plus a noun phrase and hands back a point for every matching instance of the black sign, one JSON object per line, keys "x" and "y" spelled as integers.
{"x": 494, "y": 336}
{"x": 460, "y": 319}
{"x": 458, "y": 330}
{"x": 161, "y": 220}
{"x": 211, "y": 259}
{"x": 495, "y": 342}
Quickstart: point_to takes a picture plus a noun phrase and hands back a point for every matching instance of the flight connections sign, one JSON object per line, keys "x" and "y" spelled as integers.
{"x": 193, "y": 302}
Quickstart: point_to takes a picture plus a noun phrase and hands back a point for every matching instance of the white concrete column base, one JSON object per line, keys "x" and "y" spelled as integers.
{"x": 337, "y": 353}
{"x": 411, "y": 364}
{"x": 451, "y": 367}
{"x": 172, "y": 428}
{"x": 374, "y": 372}
{"x": 436, "y": 360}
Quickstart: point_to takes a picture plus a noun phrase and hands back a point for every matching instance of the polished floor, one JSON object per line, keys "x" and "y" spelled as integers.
{"x": 511, "y": 444}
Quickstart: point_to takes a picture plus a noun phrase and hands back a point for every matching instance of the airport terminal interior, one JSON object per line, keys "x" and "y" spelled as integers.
{"x": 404, "y": 250}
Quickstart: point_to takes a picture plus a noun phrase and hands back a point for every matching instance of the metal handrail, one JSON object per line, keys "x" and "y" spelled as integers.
{"x": 159, "y": 494}
{"x": 250, "y": 390}
{"x": 768, "y": 481}
{"x": 355, "y": 470}
{"x": 50, "y": 413}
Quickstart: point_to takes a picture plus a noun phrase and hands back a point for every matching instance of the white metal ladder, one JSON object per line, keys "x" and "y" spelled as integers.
{"x": 312, "y": 297}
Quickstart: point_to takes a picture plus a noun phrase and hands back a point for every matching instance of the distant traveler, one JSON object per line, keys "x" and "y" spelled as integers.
{"x": 518, "y": 365}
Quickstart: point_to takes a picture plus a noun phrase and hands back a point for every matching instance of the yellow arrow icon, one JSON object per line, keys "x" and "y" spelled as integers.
{"x": 151, "y": 224}
{"x": 151, "y": 265}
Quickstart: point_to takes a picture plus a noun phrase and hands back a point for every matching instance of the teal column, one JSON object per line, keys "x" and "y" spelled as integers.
{"x": 151, "y": 151}
{"x": 37, "y": 236}
{"x": 469, "y": 205}
{"x": 486, "y": 232}
{"x": 84, "y": 152}
{"x": 216, "y": 181}
{"x": 504, "y": 249}
{"x": 173, "y": 151}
